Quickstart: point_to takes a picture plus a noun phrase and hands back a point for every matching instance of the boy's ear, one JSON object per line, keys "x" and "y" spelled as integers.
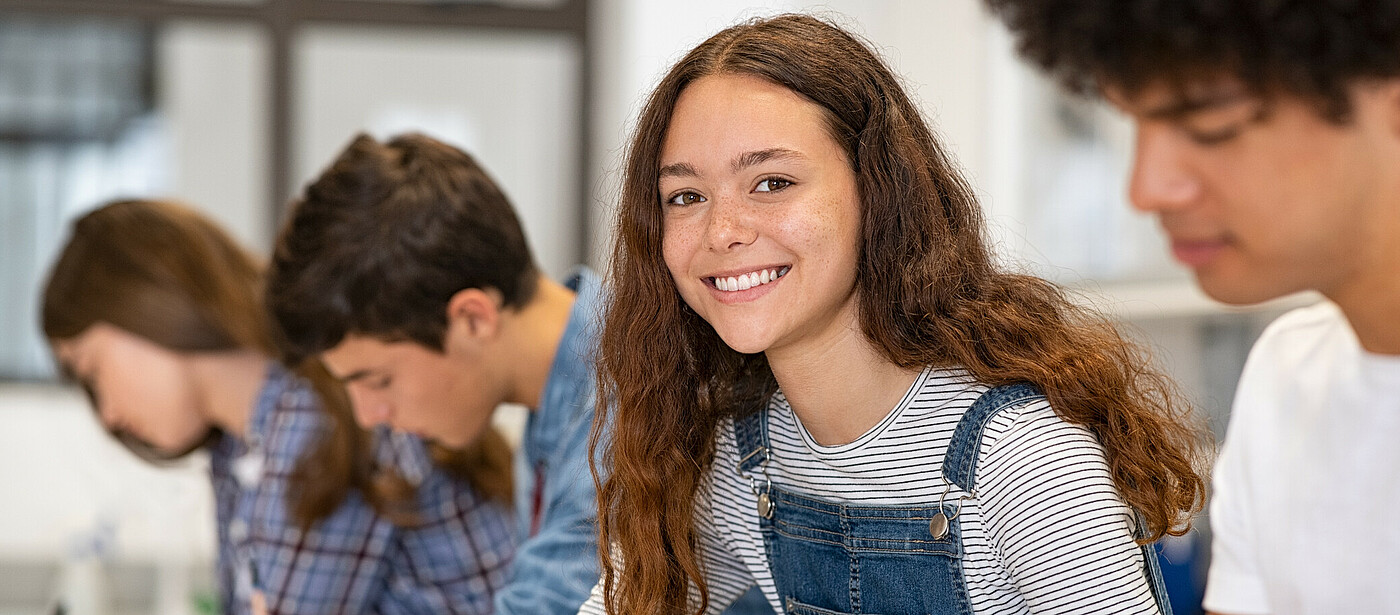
{"x": 1391, "y": 88}
{"x": 475, "y": 313}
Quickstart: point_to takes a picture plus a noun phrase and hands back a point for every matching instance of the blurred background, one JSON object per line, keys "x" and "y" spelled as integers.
{"x": 232, "y": 105}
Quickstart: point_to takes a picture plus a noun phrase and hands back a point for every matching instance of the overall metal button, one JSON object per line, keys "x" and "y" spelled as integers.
{"x": 938, "y": 526}
{"x": 765, "y": 506}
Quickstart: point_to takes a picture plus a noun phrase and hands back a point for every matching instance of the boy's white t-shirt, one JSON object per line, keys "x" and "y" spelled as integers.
{"x": 1306, "y": 505}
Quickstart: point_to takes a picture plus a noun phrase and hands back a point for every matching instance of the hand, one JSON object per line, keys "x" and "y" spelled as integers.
{"x": 257, "y": 605}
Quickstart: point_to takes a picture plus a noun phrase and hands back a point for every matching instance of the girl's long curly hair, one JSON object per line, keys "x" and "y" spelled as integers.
{"x": 929, "y": 294}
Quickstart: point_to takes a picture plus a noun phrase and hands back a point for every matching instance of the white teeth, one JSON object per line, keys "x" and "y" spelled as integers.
{"x": 749, "y": 280}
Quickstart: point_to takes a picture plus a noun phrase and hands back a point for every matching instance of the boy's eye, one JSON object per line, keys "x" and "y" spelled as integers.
{"x": 84, "y": 382}
{"x": 1218, "y": 125}
{"x": 1215, "y": 136}
{"x": 381, "y": 382}
{"x": 685, "y": 198}
{"x": 90, "y": 391}
{"x": 771, "y": 184}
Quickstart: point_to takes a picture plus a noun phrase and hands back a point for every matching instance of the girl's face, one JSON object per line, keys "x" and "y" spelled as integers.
{"x": 761, "y": 214}
{"x": 138, "y": 388}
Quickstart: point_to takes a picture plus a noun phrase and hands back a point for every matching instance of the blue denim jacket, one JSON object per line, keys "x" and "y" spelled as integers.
{"x": 556, "y": 561}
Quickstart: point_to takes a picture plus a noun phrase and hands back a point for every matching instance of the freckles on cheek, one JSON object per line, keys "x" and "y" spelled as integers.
{"x": 677, "y": 246}
{"x": 816, "y": 228}
{"x": 671, "y": 260}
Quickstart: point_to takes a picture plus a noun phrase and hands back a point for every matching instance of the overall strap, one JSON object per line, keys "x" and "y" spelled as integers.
{"x": 751, "y": 436}
{"x": 960, "y": 462}
{"x": 960, "y": 468}
{"x": 1152, "y": 569}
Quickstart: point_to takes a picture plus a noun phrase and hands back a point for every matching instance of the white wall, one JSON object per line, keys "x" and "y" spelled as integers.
{"x": 508, "y": 99}
{"x": 214, "y": 82}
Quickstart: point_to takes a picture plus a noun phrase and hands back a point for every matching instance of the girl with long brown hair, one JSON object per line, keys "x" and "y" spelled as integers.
{"x": 157, "y": 313}
{"x": 822, "y": 383}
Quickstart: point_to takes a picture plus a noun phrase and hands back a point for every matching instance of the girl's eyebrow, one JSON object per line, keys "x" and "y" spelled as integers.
{"x": 748, "y": 159}
{"x": 741, "y": 162}
{"x": 356, "y": 375}
{"x": 679, "y": 169}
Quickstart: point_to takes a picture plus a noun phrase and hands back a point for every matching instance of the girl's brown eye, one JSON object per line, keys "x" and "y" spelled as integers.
{"x": 686, "y": 198}
{"x": 772, "y": 184}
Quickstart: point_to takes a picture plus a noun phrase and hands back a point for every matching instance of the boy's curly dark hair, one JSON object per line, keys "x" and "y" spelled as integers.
{"x": 1312, "y": 49}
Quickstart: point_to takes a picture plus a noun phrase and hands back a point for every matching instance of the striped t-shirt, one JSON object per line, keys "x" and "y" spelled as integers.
{"x": 1047, "y": 532}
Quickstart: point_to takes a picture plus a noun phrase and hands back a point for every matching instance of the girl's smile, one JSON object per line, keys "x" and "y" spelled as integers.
{"x": 748, "y": 284}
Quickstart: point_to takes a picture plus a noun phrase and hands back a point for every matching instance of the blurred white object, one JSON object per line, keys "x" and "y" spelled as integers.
{"x": 82, "y": 588}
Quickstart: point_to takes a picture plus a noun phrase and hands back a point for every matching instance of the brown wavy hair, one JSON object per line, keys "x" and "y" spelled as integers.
{"x": 163, "y": 272}
{"x": 671, "y": 379}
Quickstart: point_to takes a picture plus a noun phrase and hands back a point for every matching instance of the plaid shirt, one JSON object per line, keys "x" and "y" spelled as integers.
{"x": 353, "y": 561}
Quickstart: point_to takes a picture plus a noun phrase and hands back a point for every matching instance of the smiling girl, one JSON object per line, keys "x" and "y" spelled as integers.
{"x": 157, "y": 313}
{"x": 825, "y": 386}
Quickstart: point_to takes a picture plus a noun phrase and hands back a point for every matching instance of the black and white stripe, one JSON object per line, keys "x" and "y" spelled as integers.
{"x": 1046, "y": 532}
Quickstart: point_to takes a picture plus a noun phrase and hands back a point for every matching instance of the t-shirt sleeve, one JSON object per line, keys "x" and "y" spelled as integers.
{"x": 1055, "y": 519}
{"x": 594, "y": 604}
{"x": 1234, "y": 584}
{"x": 725, "y": 574}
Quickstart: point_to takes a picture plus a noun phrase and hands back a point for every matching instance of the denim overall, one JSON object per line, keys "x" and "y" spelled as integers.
{"x": 833, "y": 559}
